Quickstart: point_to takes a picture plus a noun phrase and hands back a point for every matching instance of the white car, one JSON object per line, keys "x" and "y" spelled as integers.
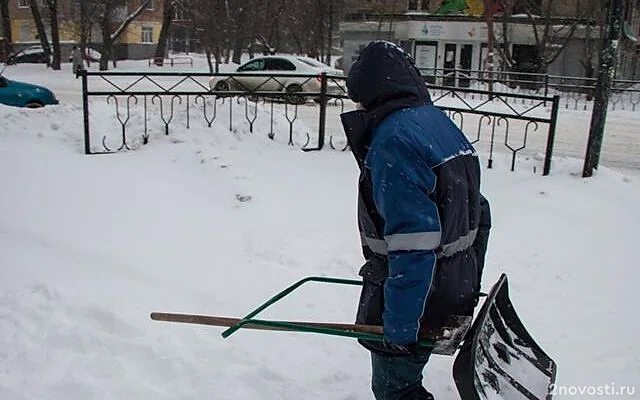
{"x": 267, "y": 66}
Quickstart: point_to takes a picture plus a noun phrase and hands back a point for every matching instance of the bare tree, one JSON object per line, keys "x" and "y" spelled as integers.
{"x": 107, "y": 22}
{"x": 42, "y": 34}
{"x": 52, "y": 6}
{"x": 89, "y": 12}
{"x": 593, "y": 32}
{"x": 297, "y": 26}
{"x": 491, "y": 7}
{"x": 212, "y": 24}
{"x": 5, "y": 19}
{"x": 167, "y": 16}
{"x": 550, "y": 35}
{"x": 84, "y": 27}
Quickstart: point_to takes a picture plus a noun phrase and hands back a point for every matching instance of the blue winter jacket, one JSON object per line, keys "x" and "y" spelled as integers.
{"x": 423, "y": 222}
{"x": 406, "y": 148}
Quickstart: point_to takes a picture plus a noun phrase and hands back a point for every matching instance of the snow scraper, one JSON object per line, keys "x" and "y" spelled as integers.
{"x": 497, "y": 358}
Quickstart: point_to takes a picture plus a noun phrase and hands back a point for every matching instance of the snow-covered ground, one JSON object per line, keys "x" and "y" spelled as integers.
{"x": 215, "y": 222}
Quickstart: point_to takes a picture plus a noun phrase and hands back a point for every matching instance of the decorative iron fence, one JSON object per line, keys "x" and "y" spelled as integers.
{"x": 205, "y": 94}
{"x": 576, "y": 93}
{"x": 491, "y": 118}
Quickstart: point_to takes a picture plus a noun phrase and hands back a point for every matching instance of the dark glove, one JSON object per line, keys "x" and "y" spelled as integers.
{"x": 392, "y": 349}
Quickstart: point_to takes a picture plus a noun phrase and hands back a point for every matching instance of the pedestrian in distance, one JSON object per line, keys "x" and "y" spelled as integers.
{"x": 76, "y": 60}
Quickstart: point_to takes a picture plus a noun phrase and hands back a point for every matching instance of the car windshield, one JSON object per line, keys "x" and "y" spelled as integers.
{"x": 312, "y": 63}
{"x": 255, "y": 65}
{"x": 32, "y": 50}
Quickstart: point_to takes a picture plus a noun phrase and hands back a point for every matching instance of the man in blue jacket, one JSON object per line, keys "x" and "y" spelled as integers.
{"x": 423, "y": 223}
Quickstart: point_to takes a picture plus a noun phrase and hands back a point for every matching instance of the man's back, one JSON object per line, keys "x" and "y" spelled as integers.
{"x": 431, "y": 156}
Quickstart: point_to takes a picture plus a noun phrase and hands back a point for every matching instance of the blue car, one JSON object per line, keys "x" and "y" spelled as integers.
{"x": 21, "y": 94}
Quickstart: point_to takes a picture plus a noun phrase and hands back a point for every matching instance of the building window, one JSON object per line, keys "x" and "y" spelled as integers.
{"x": 422, "y": 5}
{"x": 147, "y": 34}
{"x": 150, "y": 5}
{"x": 23, "y": 3}
{"x": 25, "y": 33}
{"x": 178, "y": 13}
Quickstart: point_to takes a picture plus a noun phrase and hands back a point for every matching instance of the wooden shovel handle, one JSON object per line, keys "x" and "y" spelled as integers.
{"x": 425, "y": 334}
{"x": 225, "y": 321}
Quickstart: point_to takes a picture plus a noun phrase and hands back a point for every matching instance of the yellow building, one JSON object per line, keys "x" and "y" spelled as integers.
{"x": 137, "y": 42}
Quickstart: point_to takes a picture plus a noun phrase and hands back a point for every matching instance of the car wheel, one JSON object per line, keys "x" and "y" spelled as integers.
{"x": 34, "y": 104}
{"x": 292, "y": 94}
{"x": 222, "y": 86}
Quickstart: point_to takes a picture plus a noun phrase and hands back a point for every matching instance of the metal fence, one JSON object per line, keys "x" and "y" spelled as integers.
{"x": 576, "y": 93}
{"x": 508, "y": 120}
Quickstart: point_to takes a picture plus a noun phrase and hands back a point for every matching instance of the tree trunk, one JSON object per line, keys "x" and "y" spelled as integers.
{"x": 237, "y": 51}
{"x": 167, "y": 17}
{"x": 321, "y": 23}
{"x": 55, "y": 33}
{"x": 107, "y": 43}
{"x": 37, "y": 18}
{"x": 218, "y": 57}
{"x": 85, "y": 27}
{"x": 208, "y": 52}
{"x": 489, "y": 9}
{"x": 240, "y": 34}
{"x": 330, "y": 33}
{"x": 6, "y": 26}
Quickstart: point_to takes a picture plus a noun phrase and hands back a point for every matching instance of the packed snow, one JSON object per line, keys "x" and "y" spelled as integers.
{"x": 208, "y": 221}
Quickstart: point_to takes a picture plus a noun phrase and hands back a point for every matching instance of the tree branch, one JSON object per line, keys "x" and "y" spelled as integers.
{"x": 129, "y": 19}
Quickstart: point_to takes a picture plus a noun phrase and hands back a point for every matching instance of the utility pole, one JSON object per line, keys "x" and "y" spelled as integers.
{"x": 606, "y": 75}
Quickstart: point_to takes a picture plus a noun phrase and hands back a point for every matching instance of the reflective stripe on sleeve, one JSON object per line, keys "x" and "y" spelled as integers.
{"x": 378, "y": 246}
{"x": 413, "y": 241}
{"x": 463, "y": 243}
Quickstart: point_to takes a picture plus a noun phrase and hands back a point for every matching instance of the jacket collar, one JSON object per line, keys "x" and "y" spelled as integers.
{"x": 359, "y": 125}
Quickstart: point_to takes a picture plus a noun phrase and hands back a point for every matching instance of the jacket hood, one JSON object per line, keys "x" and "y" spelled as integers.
{"x": 383, "y": 80}
{"x": 385, "y": 72}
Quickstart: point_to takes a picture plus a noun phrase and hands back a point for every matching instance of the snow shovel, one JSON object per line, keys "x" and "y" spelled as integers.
{"x": 476, "y": 377}
{"x": 499, "y": 359}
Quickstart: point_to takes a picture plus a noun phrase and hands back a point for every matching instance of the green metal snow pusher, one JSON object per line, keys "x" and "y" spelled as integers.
{"x": 498, "y": 359}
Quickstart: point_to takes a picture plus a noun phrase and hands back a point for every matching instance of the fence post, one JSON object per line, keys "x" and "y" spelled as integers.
{"x": 546, "y": 87}
{"x": 551, "y": 137}
{"x": 85, "y": 111}
{"x": 323, "y": 110}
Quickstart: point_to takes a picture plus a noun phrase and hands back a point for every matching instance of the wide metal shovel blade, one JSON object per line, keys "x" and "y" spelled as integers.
{"x": 499, "y": 359}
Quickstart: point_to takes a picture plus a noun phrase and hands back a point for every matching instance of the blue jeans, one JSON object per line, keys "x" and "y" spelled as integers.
{"x": 399, "y": 378}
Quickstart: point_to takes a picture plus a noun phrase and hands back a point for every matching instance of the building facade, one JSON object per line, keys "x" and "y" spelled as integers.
{"x": 182, "y": 35}
{"x": 451, "y": 37}
{"x": 138, "y": 41}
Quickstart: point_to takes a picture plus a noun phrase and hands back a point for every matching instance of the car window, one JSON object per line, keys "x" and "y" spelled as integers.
{"x": 312, "y": 63}
{"x": 279, "y": 64}
{"x": 255, "y": 65}
{"x": 3, "y": 82}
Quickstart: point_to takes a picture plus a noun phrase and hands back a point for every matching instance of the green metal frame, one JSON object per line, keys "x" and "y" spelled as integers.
{"x": 249, "y": 318}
